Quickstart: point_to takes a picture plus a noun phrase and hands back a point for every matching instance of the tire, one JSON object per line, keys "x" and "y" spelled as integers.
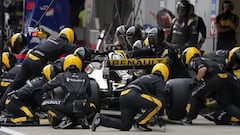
{"x": 95, "y": 97}
{"x": 178, "y": 92}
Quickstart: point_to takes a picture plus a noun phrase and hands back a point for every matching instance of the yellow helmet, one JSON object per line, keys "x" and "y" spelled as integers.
{"x": 188, "y": 54}
{"x": 68, "y": 33}
{"x": 72, "y": 60}
{"x": 233, "y": 56}
{"x": 18, "y": 42}
{"x": 8, "y": 59}
{"x": 49, "y": 72}
{"x": 163, "y": 69}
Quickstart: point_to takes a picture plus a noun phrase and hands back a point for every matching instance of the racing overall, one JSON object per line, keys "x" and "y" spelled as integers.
{"x": 183, "y": 34}
{"x": 76, "y": 87}
{"x": 226, "y": 40}
{"x": 145, "y": 92}
{"x": 24, "y": 102}
{"x": 197, "y": 26}
{"x": 36, "y": 59}
{"x": 216, "y": 84}
{"x": 7, "y": 78}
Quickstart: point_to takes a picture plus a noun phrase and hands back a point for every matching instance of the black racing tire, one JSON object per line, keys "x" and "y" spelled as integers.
{"x": 95, "y": 97}
{"x": 178, "y": 95}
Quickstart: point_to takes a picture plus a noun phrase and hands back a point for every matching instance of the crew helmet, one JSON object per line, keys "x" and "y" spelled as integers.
{"x": 188, "y": 54}
{"x": 133, "y": 34}
{"x": 8, "y": 60}
{"x": 49, "y": 72}
{"x": 183, "y": 8}
{"x": 163, "y": 69}
{"x": 155, "y": 36}
{"x": 73, "y": 62}
{"x": 233, "y": 57}
{"x": 18, "y": 42}
{"x": 67, "y": 33}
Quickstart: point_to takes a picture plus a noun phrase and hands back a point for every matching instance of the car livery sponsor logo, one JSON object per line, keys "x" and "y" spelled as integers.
{"x": 137, "y": 62}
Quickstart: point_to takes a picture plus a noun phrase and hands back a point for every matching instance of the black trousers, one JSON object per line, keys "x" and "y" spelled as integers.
{"x": 131, "y": 101}
{"x": 210, "y": 87}
{"x": 29, "y": 70}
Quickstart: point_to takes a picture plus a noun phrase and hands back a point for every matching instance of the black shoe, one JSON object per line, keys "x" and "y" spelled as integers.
{"x": 186, "y": 121}
{"x": 96, "y": 121}
{"x": 5, "y": 120}
{"x": 84, "y": 124}
{"x": 161, "y": 124}
{"x": 142, "y": 127}
{"x": 65, "y": 123}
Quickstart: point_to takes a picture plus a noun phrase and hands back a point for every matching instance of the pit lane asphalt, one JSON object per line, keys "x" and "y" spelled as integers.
{"x": 200, "y": 126}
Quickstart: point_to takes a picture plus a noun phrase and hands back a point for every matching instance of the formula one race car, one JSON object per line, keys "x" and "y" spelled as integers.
{"x": 112, "y": 75}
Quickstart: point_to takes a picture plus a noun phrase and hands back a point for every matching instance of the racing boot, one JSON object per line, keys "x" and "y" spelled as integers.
{"x": 84, "y": 124}
{"x": 142, "y": 127}
{"x": 186, "y": 121}
{"x": 96, "y": 122}
{"x": 161, "y": 124}
{"x": 65, "y": 123}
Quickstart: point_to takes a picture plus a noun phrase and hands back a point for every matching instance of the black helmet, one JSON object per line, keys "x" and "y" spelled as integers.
{"x": 183, "y": 7}
{"x": 155, "y": 36}
{"x": 18, "y": 42}
{"x": 133, "y": 34}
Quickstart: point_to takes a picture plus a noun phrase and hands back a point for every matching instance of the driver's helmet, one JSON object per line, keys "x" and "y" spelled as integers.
{"x": 17, "y": 43}
{"x": 68, "y": 34}
{"x": 155, "y": 37}
{"x": 183, "y": 8}
{"x": 133, "y": 34}
{"x": 162, "y": 69}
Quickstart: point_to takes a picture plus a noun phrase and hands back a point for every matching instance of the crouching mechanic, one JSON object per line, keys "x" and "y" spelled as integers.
{"x": 146, "y": 92}
{"x": 75, "y": 84}
{"x": 9, "y": 71}
{"x": 213, "y": 81}
{"x": 24, "y": 102}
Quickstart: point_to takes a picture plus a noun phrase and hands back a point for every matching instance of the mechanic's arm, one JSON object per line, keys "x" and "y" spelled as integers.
{"x": 218, "y": 26}
{"x": 234, "y": 24}
{"x": 141, "y": 52}
{"x": 201, "y": 73}
{"x": 55, "y": 82}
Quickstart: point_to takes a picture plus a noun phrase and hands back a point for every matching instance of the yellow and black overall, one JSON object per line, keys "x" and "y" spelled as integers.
{"x": 23, "y": 103}
{"x": 37, "y": 58}
{"x": 146, "y": 93}
{"x": 217, "y": 84}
